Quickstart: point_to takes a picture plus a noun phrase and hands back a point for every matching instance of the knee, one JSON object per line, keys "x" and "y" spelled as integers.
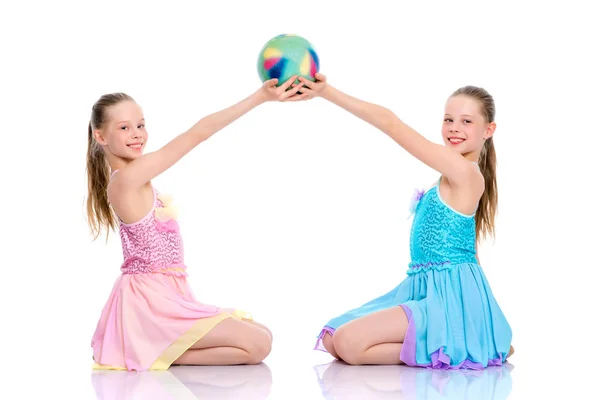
{"x": 269, "y": 333}
{"x": 328, "y": 344}
{"x": 347, "y": 346}
{"x": 259, "y": 349}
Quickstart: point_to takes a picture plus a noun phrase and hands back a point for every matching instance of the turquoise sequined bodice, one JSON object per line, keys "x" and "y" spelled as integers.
{"x": 440, "y": 236}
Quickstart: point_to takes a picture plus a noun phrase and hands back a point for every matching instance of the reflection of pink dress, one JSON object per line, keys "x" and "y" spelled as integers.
{"x": 151, "y": 316}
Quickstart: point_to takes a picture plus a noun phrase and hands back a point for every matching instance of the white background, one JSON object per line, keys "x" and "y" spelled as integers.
{"x": 298, "y": 212}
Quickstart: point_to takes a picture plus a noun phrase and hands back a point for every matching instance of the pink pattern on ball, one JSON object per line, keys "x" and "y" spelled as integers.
{"x": 269, "y": 63}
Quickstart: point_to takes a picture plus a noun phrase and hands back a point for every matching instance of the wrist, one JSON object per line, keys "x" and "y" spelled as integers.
{"x": 259, "y": 97}
{"x": 327, "y": 92}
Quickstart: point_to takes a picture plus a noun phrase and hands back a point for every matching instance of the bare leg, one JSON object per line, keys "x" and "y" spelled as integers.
{"x": 231, "y": 342}
{"x": 373, "y": 339}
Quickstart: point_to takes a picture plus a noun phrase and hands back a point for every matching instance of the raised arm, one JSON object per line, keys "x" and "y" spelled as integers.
{"x": 145, "y": 168}
{"x": 447, "y": 162}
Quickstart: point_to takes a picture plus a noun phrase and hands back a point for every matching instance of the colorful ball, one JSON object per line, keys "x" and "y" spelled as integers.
{"x": 286, "y": 55}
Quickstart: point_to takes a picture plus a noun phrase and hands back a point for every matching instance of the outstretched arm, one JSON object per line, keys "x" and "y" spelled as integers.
{"x": 447, "y": 162}
{"x": 145, "y": 168}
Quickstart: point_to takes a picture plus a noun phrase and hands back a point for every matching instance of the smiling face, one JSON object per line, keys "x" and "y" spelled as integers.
{"x": 465, "y": 127}
{"x": 124, "y": 134}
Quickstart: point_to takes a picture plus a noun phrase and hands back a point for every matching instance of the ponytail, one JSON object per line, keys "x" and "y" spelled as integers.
{"x": 488, "y": 203}
{"x": 99, "y": 212}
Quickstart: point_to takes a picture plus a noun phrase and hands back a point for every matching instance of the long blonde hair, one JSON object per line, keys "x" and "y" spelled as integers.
{"x": 488, "y": 204}
{"x": 99, "y": 212}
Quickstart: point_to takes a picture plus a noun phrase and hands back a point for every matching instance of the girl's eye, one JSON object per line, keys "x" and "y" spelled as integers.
{"x": 123, "y": 127}
{"x": 467, "y": 121}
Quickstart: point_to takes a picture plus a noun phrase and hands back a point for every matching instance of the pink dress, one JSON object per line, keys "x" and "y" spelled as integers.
{"x": 151, "y": 316}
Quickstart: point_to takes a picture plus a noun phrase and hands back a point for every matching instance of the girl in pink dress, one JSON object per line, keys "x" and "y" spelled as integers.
{"x": 151, "y": 319}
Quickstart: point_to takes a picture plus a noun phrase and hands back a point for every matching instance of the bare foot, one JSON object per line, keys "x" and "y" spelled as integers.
{"x": 510, "y": 352}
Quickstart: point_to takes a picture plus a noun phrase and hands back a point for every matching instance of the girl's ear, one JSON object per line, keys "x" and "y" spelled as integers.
{"x": 490, "y": 130}
{"x": 99, "y": 137}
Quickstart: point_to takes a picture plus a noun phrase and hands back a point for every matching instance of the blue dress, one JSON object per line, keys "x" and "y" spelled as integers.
{"x": 454, "y": 319}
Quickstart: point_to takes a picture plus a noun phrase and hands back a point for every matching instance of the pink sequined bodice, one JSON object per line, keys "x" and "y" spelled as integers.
{"x": 153, "y": 244}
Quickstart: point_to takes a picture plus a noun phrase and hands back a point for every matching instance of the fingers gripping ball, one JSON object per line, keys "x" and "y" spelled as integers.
{"x": 286, "y": 55}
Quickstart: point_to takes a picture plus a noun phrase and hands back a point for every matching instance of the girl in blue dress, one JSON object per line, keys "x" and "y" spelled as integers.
{"x": 443, "y": 314}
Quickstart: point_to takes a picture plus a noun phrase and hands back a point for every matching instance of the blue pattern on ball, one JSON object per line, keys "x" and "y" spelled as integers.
{"x": 277, "y": 69}
{"x": 315, "y": 57}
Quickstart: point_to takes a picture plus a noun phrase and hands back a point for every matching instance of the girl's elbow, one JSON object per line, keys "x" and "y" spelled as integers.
{"x": 389, "y": 122}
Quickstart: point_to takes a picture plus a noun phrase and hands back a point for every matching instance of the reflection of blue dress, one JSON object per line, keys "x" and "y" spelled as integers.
{"x": 454, "y": 319}
{"x": 340, "y": 381}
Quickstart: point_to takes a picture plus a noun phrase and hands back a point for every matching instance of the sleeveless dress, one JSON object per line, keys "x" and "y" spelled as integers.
{"x": 151, "y": 316}
{"x": 454, "y": 319}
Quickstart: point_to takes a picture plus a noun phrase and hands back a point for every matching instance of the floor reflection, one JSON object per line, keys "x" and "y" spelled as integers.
{"x": 342, "y": 381}
{"x": 185, "y": 382}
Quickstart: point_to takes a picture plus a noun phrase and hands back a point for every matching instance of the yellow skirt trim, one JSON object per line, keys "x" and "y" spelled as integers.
{"x": 185, "y": 341}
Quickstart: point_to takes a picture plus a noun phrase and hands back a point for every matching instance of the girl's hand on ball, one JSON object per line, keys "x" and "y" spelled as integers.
{"x": 309, "y": 89}
{"x": 273, "y": 93}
